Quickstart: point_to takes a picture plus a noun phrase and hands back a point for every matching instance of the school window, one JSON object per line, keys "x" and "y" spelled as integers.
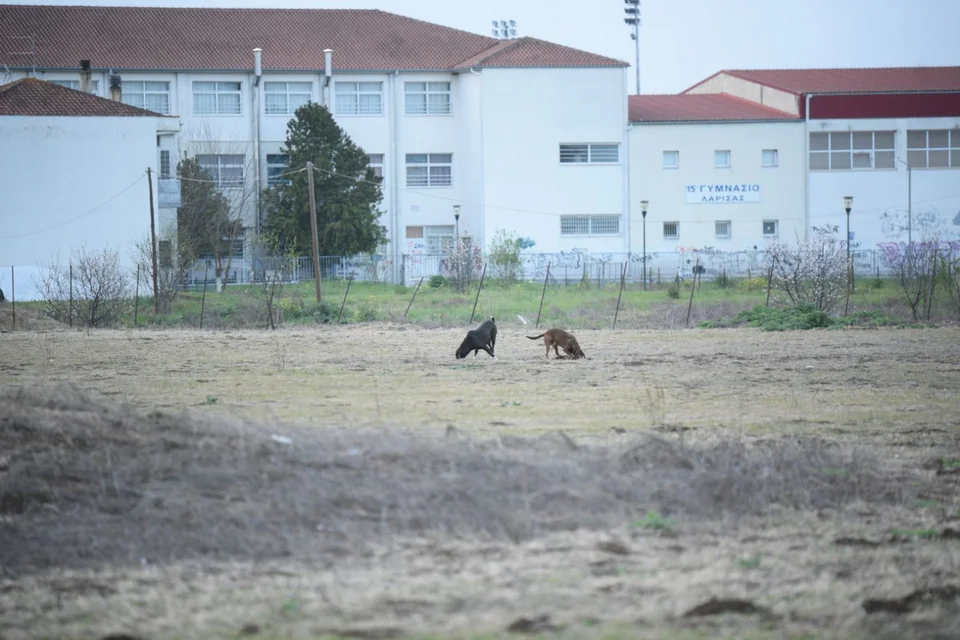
{"x": 153, "y": 96}
{"x": 590, "y": 225}
{"x": 847, "y": 150}
{"x": 375, "y": 160}
{"x": 276, "y": 167}
{"x": 437, "y": 239}
{"x": 589, "y": 153}
{"x": 671, "y": 159}
{"x": 771, "y": 228}
{"x": 226, "y": 170}
{"x": 358, "y": 98}
{"x": 429, "y": 169}
{"x": 164, "y": 164}
{"x": 284, "y": 98}
{"x": 934, "y": 149}
{"x": 721, "y": 159}
{"x": 75, "y": 84}
{"x": 671, "y": 230}
{"x": 722, "y": 228}
{"x": 216, "y": 98}
{"x": 770, "y": 158}
{"x": 427, "y": 98}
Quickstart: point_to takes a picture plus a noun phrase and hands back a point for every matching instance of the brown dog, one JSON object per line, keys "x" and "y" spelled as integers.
{"x": 560, "y": 338}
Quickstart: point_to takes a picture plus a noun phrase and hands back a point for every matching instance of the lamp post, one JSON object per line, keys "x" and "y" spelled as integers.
{"x": 644, "y": 204}
{"x": 632, "y": 12}
{"x": 847, "y": 205}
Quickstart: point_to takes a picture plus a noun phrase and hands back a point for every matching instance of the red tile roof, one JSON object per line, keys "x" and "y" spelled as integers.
{"x": 700, "y": 107}
{"x": 889, "y": 79}
{"x": 32, "y": 97}
{"x": 531, "y": 52}
{"x": 177, "y": 38}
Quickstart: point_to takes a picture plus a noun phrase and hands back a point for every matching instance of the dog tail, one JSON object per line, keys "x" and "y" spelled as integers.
{"x": 537, "y": 337}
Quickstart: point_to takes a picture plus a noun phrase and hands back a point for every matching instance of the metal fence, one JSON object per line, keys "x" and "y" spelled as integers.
{"x": 566, "y": 267}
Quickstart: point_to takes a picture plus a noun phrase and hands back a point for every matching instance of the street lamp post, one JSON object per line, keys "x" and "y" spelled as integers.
{"x": 848, "y": 205}
{"x": 644, "y": 204}
{"x": 632, "y": 12}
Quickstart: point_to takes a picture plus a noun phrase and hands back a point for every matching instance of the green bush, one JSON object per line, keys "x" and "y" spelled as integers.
{"x": 366, "y": 313}
{"x": 324, "y": 313}
{"x": 803, "y": 316}
{"x": 437, "y": 281}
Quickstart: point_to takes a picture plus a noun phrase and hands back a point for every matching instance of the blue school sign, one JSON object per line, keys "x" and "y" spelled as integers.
{"x": 722, "y": 193}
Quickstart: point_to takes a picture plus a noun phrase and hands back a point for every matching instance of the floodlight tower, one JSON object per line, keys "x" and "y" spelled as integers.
{"x": 632, "y": 11}
{"x": 504, "y": 29}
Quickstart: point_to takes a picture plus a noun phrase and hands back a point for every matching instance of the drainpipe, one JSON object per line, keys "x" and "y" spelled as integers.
{"x": 394, "y": 172}
{"x": 483, "y": 162}
{"x": 625, "y": 117}
{"x": 327, "y": 73}
{"x": 255, "y": 114}
{"x": 806, "y": 167}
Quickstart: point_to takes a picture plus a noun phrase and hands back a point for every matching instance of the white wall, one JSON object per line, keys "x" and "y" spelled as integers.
{"x": 527, "y": 114}
{"x": 61, "y": 170}
{"x": 781, "y": 188}
{"x": 725, "y": 83}
{"x": 879, "y": 217}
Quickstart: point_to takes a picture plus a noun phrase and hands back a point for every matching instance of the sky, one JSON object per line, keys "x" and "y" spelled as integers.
{"x": 685, "y": 41}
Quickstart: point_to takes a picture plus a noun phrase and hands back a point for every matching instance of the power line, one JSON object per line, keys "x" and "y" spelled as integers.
{"x": 82, "y": 215}
{"x": 462, "y": 201}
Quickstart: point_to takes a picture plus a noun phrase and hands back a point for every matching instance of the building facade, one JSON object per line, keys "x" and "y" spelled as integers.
{"x": 890, "y": 138}
{"x": 521, "y": 135}
{"x": 446, "y": 117}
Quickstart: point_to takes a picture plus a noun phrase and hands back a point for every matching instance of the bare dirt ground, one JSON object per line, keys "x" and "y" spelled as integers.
{"x": 360, "y": 482}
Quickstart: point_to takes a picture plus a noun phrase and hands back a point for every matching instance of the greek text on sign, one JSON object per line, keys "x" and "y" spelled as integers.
{"x": 722, "y": 193}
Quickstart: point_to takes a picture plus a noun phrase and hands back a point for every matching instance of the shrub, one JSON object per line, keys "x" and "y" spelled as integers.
{"x": 436, "y": 282}
{"x": 92, "y": 289}
{"x": 504, "y": 257}
{"x": 812, "y": 273}
{"x": 366, "y": 313}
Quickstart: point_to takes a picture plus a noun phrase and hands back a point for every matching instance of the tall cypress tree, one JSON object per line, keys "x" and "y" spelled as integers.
{"x": 347, "y": 213}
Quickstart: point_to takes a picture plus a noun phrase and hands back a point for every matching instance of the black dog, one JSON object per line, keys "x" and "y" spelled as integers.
{"x": 483, "y": 337}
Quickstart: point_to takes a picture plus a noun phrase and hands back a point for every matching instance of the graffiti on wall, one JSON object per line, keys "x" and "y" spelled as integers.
{"x": 926, "y": 221}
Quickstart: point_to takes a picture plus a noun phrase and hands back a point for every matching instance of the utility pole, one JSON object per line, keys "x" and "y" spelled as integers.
{"x": 632, "y": 11}
{"x": 313, "y": 228}
{"x": 153, "y": 244}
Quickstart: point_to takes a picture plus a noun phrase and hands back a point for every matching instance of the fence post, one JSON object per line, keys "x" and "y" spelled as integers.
{"x": 70, "y": 308}
{"x": 203, "y": 298}
{"x": 13, "y": 299}
{"x": 543, "y": 293}
{"x": 344, "y": 301}
{"x": 413, "y": 297}
{"x": 475, "y": 300}
{"x": 136, "y": 297}
{"x": 623, "y": 275}
{"x": 692, "y": 288}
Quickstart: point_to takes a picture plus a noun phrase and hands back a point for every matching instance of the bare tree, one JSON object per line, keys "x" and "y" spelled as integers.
{"x": 915, "y": 268}
{"x": 814, "y": 272}
{"x": 463, "y": 263}
{"x": 92, "y": 288}
{"x": 271, "y": 270}
{"x": 952, "y": 281}
{"x": 220, "y": 194}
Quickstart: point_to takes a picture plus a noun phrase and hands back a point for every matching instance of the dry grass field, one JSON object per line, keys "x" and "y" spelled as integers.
{"x": 359, "y": 482}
